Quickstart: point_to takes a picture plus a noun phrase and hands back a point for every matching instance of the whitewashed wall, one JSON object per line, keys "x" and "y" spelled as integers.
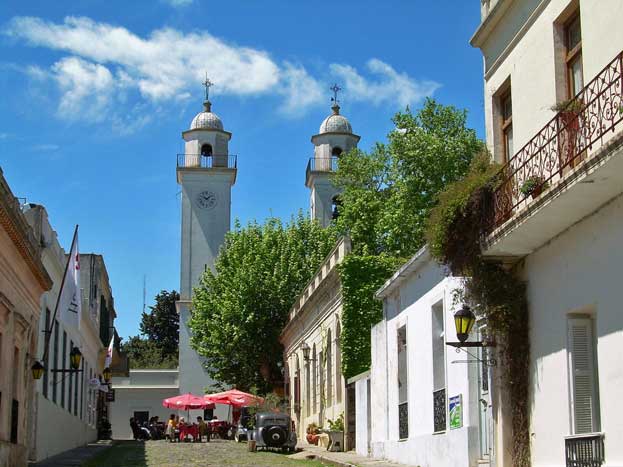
{"x": 411, "y": 305}
{"x": 580, "y": 271}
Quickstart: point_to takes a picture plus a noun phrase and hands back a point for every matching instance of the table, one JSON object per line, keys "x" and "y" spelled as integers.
{"x": 188, "y": 430}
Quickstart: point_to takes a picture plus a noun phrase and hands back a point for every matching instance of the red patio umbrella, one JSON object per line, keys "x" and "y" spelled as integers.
{"x": 187, "y": 402}
{"x": 233, "y": 397}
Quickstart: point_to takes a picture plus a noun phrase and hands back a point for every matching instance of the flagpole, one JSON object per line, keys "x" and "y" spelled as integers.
{"x": 48, "y": 333}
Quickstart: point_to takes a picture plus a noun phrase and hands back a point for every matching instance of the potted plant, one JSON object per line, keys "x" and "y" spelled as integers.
{"x": 569, "y": 118}
{"x": 533, "y": 186}
{"x": 336, "y": 433}
{"x": 312, "y": 434}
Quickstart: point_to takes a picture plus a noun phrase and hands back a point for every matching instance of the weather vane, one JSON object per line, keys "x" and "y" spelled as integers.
{"x": 208, "y": 84}
{"x": 335, "y": 88}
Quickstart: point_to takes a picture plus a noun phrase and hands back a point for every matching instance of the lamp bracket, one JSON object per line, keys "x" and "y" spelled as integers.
{"x": 459, "y": 345}
{"x": 486, "y": 361}
{"x": 67, "y": 371}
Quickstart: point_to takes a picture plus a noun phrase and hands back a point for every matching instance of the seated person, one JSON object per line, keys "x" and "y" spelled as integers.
{"x": 203, "y": 429}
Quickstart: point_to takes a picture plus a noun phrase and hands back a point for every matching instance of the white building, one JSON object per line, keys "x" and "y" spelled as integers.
{"x": 67, "y": 399}
{"x": 419, "y": 403}
{"x": 140, "y": 395}
{"x": 566, "y": 241}
{"x": 206, "y": 172}
{"x": 314, "y": 378}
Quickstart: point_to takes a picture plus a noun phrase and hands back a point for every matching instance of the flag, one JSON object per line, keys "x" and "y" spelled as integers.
{"x": 109, "y": 352}
{"x": 70, "y": 300}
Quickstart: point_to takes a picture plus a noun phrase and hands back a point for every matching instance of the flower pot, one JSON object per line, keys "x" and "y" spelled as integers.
{"x": 537, "y": 191}
{"x": 312, "y": 439}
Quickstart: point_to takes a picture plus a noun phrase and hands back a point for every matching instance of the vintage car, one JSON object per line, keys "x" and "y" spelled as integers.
{"x": 273, "y": 431}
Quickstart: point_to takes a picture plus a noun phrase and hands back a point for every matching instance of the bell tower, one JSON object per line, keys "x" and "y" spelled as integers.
{"x": 334, "y": 138}
{"x": 206, "y": 172}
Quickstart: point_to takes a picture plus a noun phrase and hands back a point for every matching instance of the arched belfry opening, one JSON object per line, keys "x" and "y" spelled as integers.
{"x": 206, "y": 149}
{"x": 336, "y": 204}
{"x": 336, "y": 151}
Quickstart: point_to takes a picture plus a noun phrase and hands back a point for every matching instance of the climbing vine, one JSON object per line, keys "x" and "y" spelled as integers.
{"x": 361, "y": 277}
{"x": 455, "y": 232}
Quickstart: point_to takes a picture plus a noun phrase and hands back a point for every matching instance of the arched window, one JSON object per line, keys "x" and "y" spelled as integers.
{"x": 336, "y": 204}
{"x": 206, "y": 150}
{"x": 329, "y": 370}
{"x": 336, "y": 151}
{"x": 338, "y": 363}
{"x": 315, "y": 380}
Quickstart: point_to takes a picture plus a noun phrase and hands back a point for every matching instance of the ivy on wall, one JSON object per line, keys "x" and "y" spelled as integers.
{"x": 361, "y": 277}
{"x": 455, "y": 232}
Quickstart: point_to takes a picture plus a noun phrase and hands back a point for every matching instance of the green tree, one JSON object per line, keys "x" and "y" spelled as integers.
{"x": 240, "y": 310}
{"x": 387, "y": 194}
{"x": 157, "y": 346}
{"x": 161, "y": 325}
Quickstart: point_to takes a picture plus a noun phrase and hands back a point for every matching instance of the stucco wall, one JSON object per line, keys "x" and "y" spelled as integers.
{"x": 411, "y": 306}
{"x": 526, "y": 47}
{"x": 362, "y": 422}
{"x": 579, "y": 271}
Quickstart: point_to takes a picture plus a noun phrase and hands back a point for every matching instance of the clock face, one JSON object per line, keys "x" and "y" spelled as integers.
{"x": 206, "y": 200}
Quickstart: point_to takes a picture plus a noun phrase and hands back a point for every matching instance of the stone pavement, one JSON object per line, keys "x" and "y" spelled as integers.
{"x": 341, "y": 459}
{"x": 73, "y": 457}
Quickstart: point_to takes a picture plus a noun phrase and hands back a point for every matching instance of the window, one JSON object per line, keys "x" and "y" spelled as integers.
{"x": 573, "y": 43}
{"x": 338, "y": 364}
{"x": 206, "y": 150}
{"x": 506, "y": 107}
{"x": 315, "y": 379}
{"x": 16, "y": 391}
{"x": 403, "y": 384}
{"x": 55, "y": 363}
{"x": 77, "y": 382}
{"x": 47, "y": 357}
{"x": 583, "y": 375}
{"x": 439, "y": 368}
{"x": 63, "y": 366}
{"x": 308, "y": 389}
{"x": 336, "y": 151}
{"x": 329, "y": 370}
{"x": 336, "y": 204}
{"x": 71, "y": 383}
{"x": 83, "y": 378}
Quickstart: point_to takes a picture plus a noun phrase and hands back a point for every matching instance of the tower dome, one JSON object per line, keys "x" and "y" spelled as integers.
{"x": 206, "y": 120}
{"x": 335, "y": 123}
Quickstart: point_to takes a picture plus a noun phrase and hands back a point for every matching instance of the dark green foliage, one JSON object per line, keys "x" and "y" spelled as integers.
{"x": 361, "y": 277}
{"x": 157, "y": 346}
{"x": 455, "y": 233}
{"x": 240, "y": 311}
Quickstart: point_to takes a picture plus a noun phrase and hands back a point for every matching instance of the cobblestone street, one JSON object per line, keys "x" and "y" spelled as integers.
{"x": 215, "y": 453}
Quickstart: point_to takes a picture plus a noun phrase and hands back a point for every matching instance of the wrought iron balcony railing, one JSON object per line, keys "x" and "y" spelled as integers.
{"x": 321, "y": 164}
{"x": 585, "y": 450}
{"x": 566, "y": 140}
{"x": 202, "y": 161}
{"x": 403, "y": 420}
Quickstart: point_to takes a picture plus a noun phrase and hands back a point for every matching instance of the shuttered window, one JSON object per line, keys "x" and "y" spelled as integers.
{"x": 583, "y": 376}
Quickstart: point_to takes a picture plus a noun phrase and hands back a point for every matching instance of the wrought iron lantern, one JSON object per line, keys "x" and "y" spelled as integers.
{"x": 75, "y": 356}
{"x": 464, "y": 320}
{"x": 107, "y": 374}
{"x": 305, "y": 349}
{"x": 37, "y": 370}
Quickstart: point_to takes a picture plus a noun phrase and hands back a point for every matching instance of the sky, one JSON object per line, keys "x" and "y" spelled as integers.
{"x": 96, "y": 93}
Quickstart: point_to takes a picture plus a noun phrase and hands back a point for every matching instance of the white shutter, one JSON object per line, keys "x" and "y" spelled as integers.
{"x": 582, "y": 375}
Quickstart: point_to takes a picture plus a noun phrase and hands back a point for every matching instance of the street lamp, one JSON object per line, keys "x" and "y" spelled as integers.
{"x": 305, "y": 349}
{"x": 37, "y": 370}
{"x": 74, "y": 358}
{"x": 107, "y": 374}
{"x": 464, "y": 321}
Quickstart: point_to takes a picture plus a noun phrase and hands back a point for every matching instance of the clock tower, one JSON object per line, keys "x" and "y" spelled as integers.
{"x": 206, "y": 173}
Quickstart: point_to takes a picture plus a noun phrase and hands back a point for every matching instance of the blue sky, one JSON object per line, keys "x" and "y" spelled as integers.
{"x": 96, "y": 93}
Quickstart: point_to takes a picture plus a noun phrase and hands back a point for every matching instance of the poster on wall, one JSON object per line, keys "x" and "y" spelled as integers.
{"x": 456, "y": 411}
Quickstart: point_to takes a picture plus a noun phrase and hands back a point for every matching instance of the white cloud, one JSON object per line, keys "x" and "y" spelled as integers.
{"x": 109, "y": 65}
{"x": 389, "y": 87}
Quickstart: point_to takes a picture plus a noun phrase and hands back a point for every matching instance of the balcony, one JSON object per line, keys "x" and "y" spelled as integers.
{"x": 201, "y": 162}
{"x": 585, "y": 450}
{"x": 575, "y": 164}
{"x": 319, "y": 165}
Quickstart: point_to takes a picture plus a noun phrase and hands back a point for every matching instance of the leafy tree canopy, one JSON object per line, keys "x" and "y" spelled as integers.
{"x": 388, "y": 193}
{"x": 157, "y": 346}
{"x": 240, "y": 309}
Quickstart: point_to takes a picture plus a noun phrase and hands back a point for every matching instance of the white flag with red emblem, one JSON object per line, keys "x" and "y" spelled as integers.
{"x": 70, "y": 299}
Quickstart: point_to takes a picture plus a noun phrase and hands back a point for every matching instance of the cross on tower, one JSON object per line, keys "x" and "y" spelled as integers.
{"x": 335, "y": 88}
{"x": 208, "y": 84}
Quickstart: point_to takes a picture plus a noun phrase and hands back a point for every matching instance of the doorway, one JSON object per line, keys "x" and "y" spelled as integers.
{"x": 485, "y": 411}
